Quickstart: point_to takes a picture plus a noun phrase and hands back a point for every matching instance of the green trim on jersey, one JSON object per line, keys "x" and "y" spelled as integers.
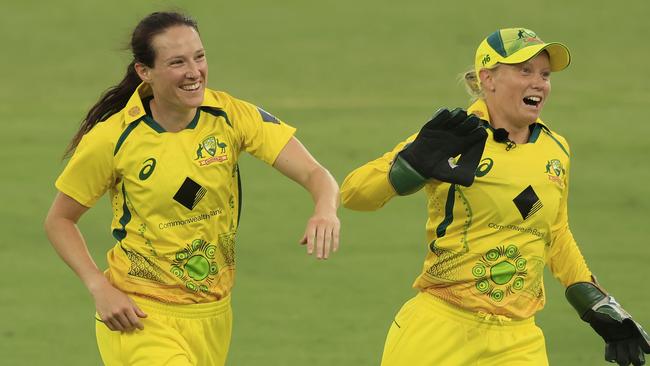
{"x": 557, "y": 142}
{"x": 120, "y": 234}
{"x": 148, "y": 118}
{"x": 124, "y": 135}
{"x": 449, "y": 212}
{"x": 217, "y": 113}
{"x": 239, "y": 193}
{"x": 534, "y": 133}
{"x": 153, "y": 124}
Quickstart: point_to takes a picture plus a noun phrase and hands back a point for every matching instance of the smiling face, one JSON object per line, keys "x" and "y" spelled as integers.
{"x": 180, "y": 71}
{"x": 515, "y": 94}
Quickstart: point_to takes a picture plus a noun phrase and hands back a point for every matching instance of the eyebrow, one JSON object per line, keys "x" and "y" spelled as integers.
{"x": 181, "y": 56}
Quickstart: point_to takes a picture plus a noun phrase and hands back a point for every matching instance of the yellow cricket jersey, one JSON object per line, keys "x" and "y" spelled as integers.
{"x": 489, "y": 243}
{"x": 175, "y": 195}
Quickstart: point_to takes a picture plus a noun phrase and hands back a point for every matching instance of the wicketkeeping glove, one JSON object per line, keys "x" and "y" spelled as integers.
{"x": 431, "y": 154}
{"x": 626, "y": 341}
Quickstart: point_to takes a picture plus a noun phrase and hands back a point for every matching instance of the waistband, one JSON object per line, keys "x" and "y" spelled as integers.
{"x": 468, "y": 317}
{"x": 193, "y": 311}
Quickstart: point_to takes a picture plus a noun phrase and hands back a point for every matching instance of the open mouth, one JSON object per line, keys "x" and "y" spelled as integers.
{"x": 532, "y": 101}
{"x": 191, "y": 87}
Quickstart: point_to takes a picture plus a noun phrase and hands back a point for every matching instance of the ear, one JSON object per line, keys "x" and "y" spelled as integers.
{"x": 487, "y": 79}
{"x": 143, "y": 71}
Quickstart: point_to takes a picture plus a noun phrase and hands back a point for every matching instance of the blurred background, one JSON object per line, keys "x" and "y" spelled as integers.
{"x": 355, "y": 77}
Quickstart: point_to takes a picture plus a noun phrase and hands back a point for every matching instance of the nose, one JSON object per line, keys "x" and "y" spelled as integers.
{"x": 192, "y": 71}
{"x": 540, "y": 82}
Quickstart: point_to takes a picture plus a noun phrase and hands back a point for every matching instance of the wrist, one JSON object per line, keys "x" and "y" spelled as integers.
{"x": 404, "y": 178}
{"x": 96, "y": 283}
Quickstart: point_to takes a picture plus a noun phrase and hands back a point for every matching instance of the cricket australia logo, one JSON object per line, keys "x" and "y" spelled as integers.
{"x": 216, "y": 150}
{"x": 555, "y": 172}
{"x": 500, "y": 272}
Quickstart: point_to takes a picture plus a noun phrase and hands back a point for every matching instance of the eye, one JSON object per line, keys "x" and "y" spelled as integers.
{"x": 200, "y": 56}
{"x": 546, "y": 75}
{"x": 525, "y": 70}
{"x": 176, "y": 62}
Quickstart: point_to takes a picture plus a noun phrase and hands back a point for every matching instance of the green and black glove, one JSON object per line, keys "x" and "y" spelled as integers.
{"x": 431, "y": 155}
{"x": 626, "y": 342}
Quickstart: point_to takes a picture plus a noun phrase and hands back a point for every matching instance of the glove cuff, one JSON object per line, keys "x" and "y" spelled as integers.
{"x": 583, "y": 296}
{"x": 404, "y": 179}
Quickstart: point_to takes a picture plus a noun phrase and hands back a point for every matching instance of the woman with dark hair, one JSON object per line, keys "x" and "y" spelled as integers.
{"x": 166, "y": 148}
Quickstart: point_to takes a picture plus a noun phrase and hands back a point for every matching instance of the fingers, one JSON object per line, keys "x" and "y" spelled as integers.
{"x": 308, "y": 239}
{"x": 441, "y": 116}
{"x": 622, "y": 354}
{"x": 126, "y": 320}
{"x": 610, "y": 352}
{"x": 322, "y": 236}
{"x": 635, "y": 352}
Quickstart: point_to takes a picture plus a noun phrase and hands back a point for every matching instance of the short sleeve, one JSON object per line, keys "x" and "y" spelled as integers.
{"x": 89, "y": 173}
{"x": 262, "y": 135}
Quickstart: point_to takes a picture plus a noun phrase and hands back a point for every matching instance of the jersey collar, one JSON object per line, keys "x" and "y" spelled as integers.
{"x": 134, "y": 109}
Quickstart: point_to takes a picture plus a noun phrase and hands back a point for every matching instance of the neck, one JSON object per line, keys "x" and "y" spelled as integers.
{"x": 518, "y": 131}
{"x": 170, "y": 118}
{"x": 516, "y": 134}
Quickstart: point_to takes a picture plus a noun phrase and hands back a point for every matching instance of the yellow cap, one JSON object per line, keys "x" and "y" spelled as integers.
{"x": 516, "y": 45}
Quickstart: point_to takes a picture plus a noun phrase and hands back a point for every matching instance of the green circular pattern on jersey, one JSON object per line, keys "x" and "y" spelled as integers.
{"x": 483, "y": 286}
{"x": 210, "y": 251}
{"x": 182, "y": 255}
{"x": 478, "y": 270}
{"x": 497, "y": 295}
{"x": 177, "y": 271}
{"x": 518, "y": 283}
{"x": 502, "y": 273}
{"x": 196, "y": 243}
{"x": 520, "y": 264}
{"x": 512, "y": 252}
{"x": 492, "y": 255}
{"x": 197, "y": 267}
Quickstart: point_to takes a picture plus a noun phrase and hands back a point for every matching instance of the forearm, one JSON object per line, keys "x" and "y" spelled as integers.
{"x": 566, "y": 261}
{"x": 367, "y": 188}
{"x": 323, "y": 189}
{"x": 67, "y": 240}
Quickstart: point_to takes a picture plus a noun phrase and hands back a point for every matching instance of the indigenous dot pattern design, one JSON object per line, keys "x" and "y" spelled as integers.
{"x": 195, "y": 265}
{"x": 500, "y": 272}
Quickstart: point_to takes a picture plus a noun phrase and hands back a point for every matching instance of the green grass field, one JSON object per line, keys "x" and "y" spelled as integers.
{"x": 355, "y": 77}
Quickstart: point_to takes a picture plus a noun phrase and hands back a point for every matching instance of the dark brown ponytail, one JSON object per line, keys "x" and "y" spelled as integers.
{"x": 116, "y": 97}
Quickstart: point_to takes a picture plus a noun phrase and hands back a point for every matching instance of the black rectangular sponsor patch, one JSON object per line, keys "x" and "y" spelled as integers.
{"x": 190, "y": 193}
{"x": 527, "y": 202}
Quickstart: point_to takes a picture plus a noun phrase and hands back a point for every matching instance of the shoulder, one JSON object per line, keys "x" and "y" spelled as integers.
{"x": 557, "y": 139}
{"x": 107, "y": 134}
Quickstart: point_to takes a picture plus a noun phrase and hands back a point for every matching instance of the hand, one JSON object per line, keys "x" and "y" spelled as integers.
{"x": 322, "y": 234}
{"x": 626, "y": 342}
{"x": 116, "y": 309}
{"x": 444, "y": 137}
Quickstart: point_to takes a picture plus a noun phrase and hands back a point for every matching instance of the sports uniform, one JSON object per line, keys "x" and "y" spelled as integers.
{"x": 488, "y": 243}
{"x": 175, "y": 198}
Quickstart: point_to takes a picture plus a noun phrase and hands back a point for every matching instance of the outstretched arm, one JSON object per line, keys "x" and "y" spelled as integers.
{"x": 115, "y": 309}
{"x": 322, "y": 231}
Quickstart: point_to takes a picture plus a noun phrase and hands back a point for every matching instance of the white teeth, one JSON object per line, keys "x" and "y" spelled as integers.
{"x": 536, "y": 99}
{"x": 191, "y": 87}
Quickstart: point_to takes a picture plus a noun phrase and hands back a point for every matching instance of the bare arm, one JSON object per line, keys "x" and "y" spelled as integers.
{"x": 322, "y": 231}
{"x": 115, "y": 309}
